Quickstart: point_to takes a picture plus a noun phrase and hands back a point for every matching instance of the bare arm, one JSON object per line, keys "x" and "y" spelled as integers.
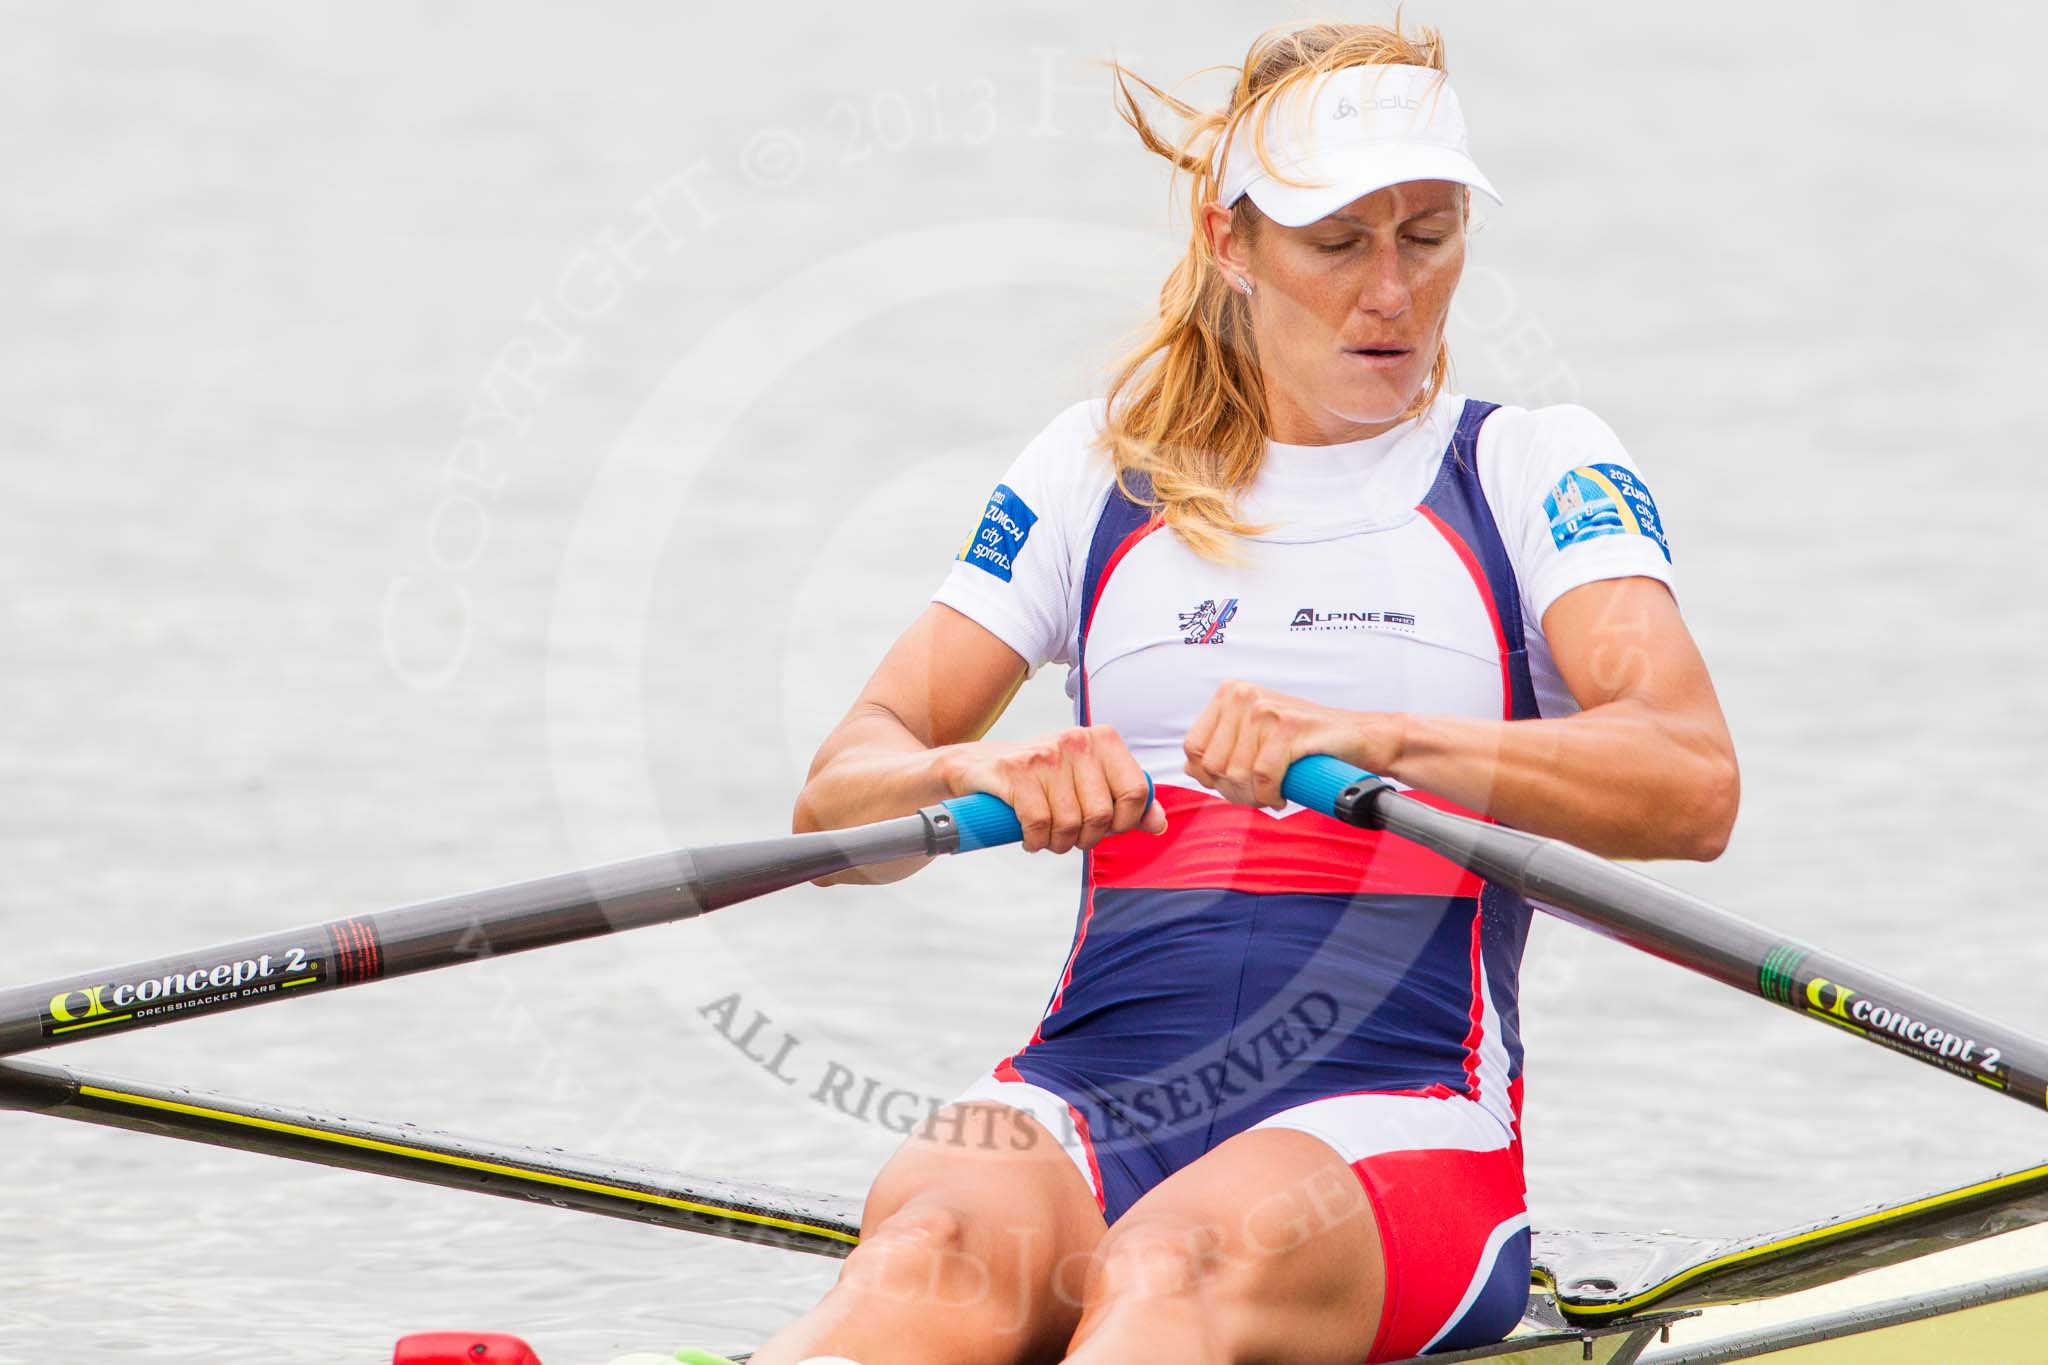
{"x": 914, "y": 736}
{"x": 886, "y": 756}
{"x": 1645, "y": 770}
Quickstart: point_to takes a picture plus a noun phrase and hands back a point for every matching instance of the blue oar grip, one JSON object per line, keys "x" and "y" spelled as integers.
{"x": 986, "y": 821}
{"x": 1319, "y": 782}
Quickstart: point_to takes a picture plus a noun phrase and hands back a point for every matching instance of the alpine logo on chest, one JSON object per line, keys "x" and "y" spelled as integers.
{"x": 1205, "y": 624}
{"x": 1308, "y": 618}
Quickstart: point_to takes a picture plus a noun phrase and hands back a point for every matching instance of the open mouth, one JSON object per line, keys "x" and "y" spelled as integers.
{"x": 1379, "y": 355}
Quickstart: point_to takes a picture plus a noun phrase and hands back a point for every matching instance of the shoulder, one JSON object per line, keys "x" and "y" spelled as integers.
{"x": 1017, "y": 571}
{"x": 1517, "y": 438}
{"x": 1570, "y": 501}
{"x": 1082, "y": 421}
{"x": 1064, "y": 470}
{"x": 1553, "y": 459}
{"x": 1070, "y": 444}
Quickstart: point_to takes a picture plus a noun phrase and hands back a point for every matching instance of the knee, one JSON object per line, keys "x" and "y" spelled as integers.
{"x": 927, "y": 1234}
{"x": 1164, "y": 1260}
{"x": 922, "y": 1253}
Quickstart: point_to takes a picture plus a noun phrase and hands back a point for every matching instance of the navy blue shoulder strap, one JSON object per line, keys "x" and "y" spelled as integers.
{"x": 1122, "y": 515}
{"x": 1457, "y": 504}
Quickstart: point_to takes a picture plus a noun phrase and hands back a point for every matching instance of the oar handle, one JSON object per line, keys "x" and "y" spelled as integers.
{"x": 985, "y": 821}
{"x": 1321, "y": 783}
{"x": 1332, "y": 787}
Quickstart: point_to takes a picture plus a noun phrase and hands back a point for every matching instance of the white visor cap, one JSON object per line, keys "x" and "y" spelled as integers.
{"x": 1345, "y": 134}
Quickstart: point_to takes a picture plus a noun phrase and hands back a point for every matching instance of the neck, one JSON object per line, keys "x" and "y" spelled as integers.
{"x": 1291, "y": 423}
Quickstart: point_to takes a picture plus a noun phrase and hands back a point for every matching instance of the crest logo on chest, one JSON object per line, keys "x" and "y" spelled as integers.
{"x": 1204, "y": 625}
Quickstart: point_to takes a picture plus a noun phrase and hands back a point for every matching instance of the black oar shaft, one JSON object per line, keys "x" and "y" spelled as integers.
{"x": 745, "y": 1212}
{"x": 1646, "y": 914}
{"x": 509, "y": 919}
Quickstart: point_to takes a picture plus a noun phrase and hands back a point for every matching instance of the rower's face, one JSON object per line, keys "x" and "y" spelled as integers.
{"x": 1348, "y": 312}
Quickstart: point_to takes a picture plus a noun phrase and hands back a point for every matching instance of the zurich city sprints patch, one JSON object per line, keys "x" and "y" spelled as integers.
{"x": 1603, "y": 500}
{"x": 1005, "y": 525}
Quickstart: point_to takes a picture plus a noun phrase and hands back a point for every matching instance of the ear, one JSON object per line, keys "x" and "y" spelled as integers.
{"x": 1228, "y": 246}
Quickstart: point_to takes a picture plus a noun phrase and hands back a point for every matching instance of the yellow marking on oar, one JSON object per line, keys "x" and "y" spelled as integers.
{"x": 302, "y": 981}
{"x": 96, "y": 1023}
{"x": 1827, "y": 1018}
{"x": 468, "y": 1163}
{"x": 1811, "y": 1237}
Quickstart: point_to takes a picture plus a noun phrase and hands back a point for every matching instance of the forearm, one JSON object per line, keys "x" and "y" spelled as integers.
{"x": 871, "y": 768}
{"x": 1620, "y": 779}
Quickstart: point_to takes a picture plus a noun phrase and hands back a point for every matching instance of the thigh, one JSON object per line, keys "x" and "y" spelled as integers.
{"x": 1444, "y": 1178}
{"x": 1283, "y": 1239}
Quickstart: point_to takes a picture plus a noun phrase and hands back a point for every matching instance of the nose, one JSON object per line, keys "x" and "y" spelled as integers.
{"x": 1384, "y": 291}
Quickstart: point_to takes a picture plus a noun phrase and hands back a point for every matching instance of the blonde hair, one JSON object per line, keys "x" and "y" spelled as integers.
{"x": 1187, "y": 423}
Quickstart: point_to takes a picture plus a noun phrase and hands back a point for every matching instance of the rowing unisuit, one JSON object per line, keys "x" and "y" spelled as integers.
{"x": 1252, "y": 968}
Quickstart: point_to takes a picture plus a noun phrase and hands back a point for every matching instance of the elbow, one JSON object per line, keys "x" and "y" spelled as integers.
{"x": 1712, "y": 798}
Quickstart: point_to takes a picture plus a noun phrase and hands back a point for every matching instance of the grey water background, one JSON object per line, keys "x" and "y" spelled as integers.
{"x": 446, "y": 444}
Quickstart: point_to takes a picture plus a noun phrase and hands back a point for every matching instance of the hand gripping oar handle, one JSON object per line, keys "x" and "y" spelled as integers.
{"x": 507, "y": 919}
{"x": 979, "y": 820}
{"x": 1644, "y": 913}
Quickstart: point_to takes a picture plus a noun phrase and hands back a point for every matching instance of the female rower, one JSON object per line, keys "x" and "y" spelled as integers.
{"x": 1272, "y": 1111}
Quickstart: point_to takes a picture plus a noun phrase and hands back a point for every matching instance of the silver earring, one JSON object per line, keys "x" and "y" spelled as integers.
{"x": 1245, "y": 285}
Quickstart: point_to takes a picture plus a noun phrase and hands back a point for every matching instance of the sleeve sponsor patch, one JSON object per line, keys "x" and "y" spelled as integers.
{"x": 1005, "y": 525}
{"x": 1603, "y": 500}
